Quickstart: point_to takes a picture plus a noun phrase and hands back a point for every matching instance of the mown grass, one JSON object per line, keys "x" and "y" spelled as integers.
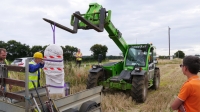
{"x": 74, "y": 75}
{"x": 166, "y": 61}
{"x": 120, "y": 101}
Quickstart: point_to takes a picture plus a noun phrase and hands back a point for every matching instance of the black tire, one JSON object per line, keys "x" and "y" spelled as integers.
{"x": 156, "y": 79}
{"x": 139, "y": 88}
{"x": 93, "y": 79}
{"x": 88, "y": 106}
{"x": 70, "y": 110}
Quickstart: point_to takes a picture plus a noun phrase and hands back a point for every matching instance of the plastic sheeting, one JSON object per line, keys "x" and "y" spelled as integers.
{"x": 53, "y": 68}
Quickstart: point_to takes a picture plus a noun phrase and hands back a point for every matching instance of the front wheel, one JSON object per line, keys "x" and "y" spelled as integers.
{"x": 93, "y": 79}
{"x": 156, "y": 79}
{"x": 139, "y": 88}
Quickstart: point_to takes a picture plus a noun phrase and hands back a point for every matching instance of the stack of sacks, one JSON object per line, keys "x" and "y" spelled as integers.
{"x": 53, "y": 68}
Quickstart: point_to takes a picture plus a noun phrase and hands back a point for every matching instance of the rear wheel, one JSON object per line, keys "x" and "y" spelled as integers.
{"x": 139, "y": 88}
{"x": 88, "y": 106}
{"x": 94, "y": 79}
{"x": 69, "y": 110}
{"x": 156, "y": 79}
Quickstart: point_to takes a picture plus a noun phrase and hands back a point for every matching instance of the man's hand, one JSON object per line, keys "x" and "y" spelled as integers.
{"x": 42, "y": 62}
{"x": 177, "y": 104}
{"x": 1, "y": 87}
{"x": 181, "y": 108}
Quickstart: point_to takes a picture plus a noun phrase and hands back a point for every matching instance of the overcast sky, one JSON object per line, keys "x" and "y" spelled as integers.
{"x": 144, "y": 21}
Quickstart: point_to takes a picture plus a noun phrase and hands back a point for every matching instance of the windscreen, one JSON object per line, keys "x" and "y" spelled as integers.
{"x": 136, "y": 56}
{"x": 17, "y": 60}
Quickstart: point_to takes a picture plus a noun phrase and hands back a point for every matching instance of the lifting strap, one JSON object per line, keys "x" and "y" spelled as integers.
{"x": 53, "y": 29}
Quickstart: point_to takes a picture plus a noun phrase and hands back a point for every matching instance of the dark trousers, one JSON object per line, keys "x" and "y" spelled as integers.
{"x": 38, "y": 82}
{"x": 78, "y": 63}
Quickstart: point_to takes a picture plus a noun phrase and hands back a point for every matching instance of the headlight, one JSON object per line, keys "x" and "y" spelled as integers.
{"x": 94, "y": 66}
{"x": 138, "y": 69}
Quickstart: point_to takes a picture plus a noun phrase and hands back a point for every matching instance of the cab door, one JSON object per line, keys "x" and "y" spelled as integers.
{"x": 151, "y": 64}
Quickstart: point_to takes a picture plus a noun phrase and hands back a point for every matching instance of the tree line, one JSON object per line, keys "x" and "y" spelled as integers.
{"x": 17, "y": 50}
{"x": 178, "y": 54}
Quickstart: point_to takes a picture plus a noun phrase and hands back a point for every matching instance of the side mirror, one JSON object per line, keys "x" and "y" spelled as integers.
{"x": 155, "y": 61}
{"x": 100, "y": 58}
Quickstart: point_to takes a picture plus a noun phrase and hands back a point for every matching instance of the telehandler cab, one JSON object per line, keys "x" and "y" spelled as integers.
{"x": 137, "y": 72}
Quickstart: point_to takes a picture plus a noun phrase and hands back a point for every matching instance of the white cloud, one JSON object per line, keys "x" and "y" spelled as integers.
{"x": 138, "y": 21}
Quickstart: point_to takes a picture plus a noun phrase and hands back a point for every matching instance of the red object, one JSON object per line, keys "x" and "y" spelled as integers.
{"x": 20, "y": 64}
{"x": 59, "y": 69}
{"x": 51, "y": 56}
{"x": 59, "y": 56}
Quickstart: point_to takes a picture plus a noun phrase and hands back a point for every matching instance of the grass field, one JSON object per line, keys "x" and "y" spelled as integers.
{"x": 120, "y": 101}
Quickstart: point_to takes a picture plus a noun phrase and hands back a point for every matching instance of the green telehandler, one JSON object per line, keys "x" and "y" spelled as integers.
{"x": 137, "y": 72}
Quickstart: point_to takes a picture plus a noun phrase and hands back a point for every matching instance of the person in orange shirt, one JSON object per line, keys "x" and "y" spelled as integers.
{"x": 188, "y": 99}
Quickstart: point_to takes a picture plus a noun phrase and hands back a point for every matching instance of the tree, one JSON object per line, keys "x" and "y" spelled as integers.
{"x": 3, "y": 44}
{"x": 179, "y": 54}
{"x": 44, "y": 47}
{"x": 99, "y": 49}
{"x": 36, "y": 48}
{"x": 68, "y": 52}
{"x": 24, "y": 50}
{"x": 16, "y": 50}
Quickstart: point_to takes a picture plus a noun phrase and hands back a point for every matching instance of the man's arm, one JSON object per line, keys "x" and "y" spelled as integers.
{"x": 81, "y": 55}
{"x": 182, "y": 96}
{"x": 42, "y": 64}
{"x": 176, "y": 104}
{"x": 34, "y": 68}
{"x": 10, "y": 86}
{"x": 76, "y": 55}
